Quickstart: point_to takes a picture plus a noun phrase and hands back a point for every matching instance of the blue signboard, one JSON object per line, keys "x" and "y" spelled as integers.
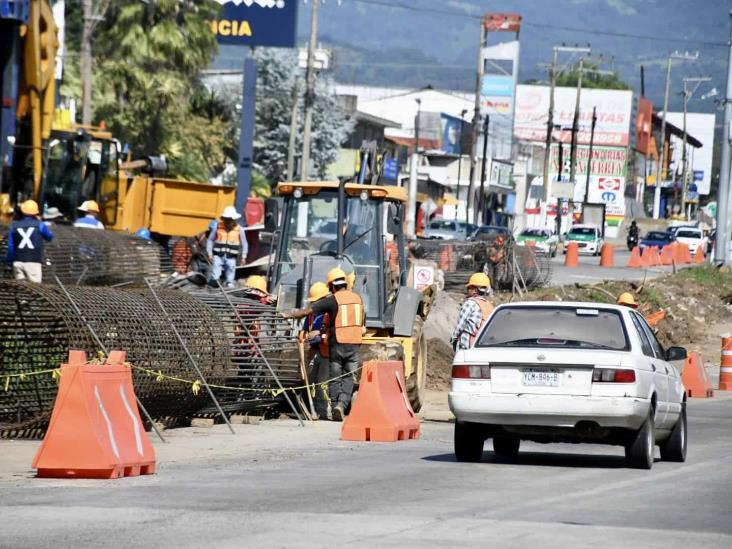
{"x": 494, "y": 85}
{"x": 451, "y": 134}
{"x": 270, "y": 23}
{"x": 391, "y": 169}
{"x": 698, "y": 175}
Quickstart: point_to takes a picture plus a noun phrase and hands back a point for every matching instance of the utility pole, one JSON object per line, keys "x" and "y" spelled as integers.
{"x": 476, "y": 122}
{"x": 721, "y": 242}
{"x": 684, "y": 154}
{"x": 293, "y": 131}
{"x": 662, "y": 153}
{"x": 413, "y": 177}
{"x": 575, "y": 126}
{"x": 90, "y": 18}
{"x": 460, "y": 162}
{"x": 549, "y": 133}
{"x": 481, "y": 202}
{"x": 309, "y": 92}
{"x": 589, "y": 158}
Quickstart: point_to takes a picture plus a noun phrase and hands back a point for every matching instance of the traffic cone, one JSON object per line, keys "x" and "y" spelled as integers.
{"x": 687, "y": 254}
{"x": 635, "y": 259}
{"x": 694, "y": 377}
{"x": 677, "y": 253}
{"x": 667, "y": 257}
{"x": 572, "y": 257}
{"x": 646, "y": 259}
{"x": 699, "y": 256}
{"x": 656, "y": 257}
{"x": 606, "y": 256}
{"x": 725, "y": 370}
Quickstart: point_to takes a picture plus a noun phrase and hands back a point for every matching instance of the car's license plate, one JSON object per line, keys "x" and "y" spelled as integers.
{"x": 541, "y": 378}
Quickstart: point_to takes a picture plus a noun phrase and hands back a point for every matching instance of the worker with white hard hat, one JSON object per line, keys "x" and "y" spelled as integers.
{"x": 88, "y": 220}
{"x": 474, "y": 312}
{"x": 226, "y": 247}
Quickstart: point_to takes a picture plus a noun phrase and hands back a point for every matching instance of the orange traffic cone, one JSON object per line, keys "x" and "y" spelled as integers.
{"x": 667, "y": 256}
{"x": 687, "y": 254}
{"x": 572, "y": 257}
{"x": 694, "y": 377}
{"x": 699, "y": 256}
{"x": 606, "y": 256}
{"x": 635, "y": 259}
{"x": 646, "y": 258}
{"x": 725, "y": 371}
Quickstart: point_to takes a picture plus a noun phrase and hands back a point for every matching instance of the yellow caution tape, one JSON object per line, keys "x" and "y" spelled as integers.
{"x": 196, "y": 387}
{"x": 7, "y": 383}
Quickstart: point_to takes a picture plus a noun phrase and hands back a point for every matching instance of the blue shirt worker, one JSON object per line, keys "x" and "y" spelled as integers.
{"x": 89, "y": 220}
{"x": 226, "y": 247}
{"x": 315, "y": 333}
{"x": 25, "y": 243}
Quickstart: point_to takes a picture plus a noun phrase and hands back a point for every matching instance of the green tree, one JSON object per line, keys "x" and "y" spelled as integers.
{"x": 591, "y": 78}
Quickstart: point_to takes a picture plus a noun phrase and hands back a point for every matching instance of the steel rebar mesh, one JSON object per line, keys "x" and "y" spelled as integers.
{"x": 276, "y": 340}
{"x": 93, "y": 257}
{"x": 38, "y": 326}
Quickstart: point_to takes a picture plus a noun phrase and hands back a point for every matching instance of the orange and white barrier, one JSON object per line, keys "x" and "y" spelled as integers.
{"x": 381, "y": 411}
{"x": 725, "y": 370}
{"x": 95, "y": 429}
{"x": 635, "y": 259}
{"x": 694, "y": 377}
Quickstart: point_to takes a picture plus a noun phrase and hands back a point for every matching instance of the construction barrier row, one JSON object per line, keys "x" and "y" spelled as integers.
{"x": 672, "y": 254}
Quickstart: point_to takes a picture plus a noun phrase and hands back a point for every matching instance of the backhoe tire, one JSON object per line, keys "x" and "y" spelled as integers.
{"x": 417, "y": 382}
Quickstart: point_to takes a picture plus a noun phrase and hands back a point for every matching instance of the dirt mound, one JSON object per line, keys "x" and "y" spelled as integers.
{"x": 439, "y": 366}
{"x": 442, "y": 318}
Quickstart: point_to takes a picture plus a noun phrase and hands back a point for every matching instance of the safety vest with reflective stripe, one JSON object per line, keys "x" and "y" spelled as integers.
{"x": 227, "y": 243}
{"x": 486, "y": 308}
{"x": 349, "y": 319}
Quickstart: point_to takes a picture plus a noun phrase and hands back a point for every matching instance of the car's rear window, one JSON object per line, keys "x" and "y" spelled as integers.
{"x": 582, "y": 231}
{"x": 562, "y": 327}
{"x": 658, "y": 235}
{"x": 534, "y": 232}
{"x": 444, "y": 225}
{"x": 688, "y": 234}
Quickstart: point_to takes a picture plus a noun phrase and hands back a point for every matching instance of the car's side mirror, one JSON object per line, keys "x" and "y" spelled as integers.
{"x": 394, "y": 221}
{"x": 271, "y": 215}
{"x": 675, "y": 353}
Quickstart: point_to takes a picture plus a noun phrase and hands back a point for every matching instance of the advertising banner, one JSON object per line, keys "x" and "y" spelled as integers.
{"x": 644, "y": 127}
{"x": 613, "y": 115}
{"x": 270, "y": 23}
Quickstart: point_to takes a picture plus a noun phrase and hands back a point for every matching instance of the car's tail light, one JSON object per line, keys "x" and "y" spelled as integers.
{"x": 613, "y": 375}
{"x": 465, "y": 371}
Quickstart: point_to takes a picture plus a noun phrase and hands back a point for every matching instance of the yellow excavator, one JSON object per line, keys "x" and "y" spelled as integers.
{"x": 61, "y": 164}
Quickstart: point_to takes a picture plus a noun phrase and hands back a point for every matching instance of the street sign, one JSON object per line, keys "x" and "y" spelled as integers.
{"x": 270, "y": 23}
{"x": 391, "y": 169}
{"x": 424, "y": 276}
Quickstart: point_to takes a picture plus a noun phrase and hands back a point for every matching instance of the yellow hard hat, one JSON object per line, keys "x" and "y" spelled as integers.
{"x": 628, "y": 300}
{"x": 29, "y": 207}
{"x": 318, "y": 291}
{"x": 335, "y": 274}
{"x": 479, "y": 280}
{"x": 89, "y": 206}
{"x": 256, "y": 282}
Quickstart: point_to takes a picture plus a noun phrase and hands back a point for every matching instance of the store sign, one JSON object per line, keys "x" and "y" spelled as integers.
{"x": 270, "y": 23}
{"x": 607, "y": 162}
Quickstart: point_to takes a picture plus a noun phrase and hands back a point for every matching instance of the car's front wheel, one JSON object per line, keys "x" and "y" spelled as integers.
{"x": 468, "y": 442}
{"x": 639, "y": 452}
{"x": 674, "y": 449}
{"x": 506, "y": 448}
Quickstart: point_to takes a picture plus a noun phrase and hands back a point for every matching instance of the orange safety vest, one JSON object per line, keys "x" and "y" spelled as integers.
{"x": 227, "y": 243}
{"x": 350, "y": 317}
{"x": 486, "y": 308}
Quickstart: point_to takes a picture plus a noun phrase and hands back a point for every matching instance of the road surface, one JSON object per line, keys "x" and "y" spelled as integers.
{"x": 280, "y": 485}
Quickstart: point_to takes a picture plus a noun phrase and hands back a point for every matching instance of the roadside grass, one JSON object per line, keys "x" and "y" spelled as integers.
{"x": 709, "y": 276}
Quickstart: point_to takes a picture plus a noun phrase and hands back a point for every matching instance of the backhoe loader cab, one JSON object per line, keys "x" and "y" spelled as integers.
{"x": 360, "y": 229}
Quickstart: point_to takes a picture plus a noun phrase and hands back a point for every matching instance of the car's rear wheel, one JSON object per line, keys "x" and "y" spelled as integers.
{"x": 674, "y": 449}
{"x": 639, "y": 452}
{"x": 468, "y": 442}
{"x": 506, "y": 447}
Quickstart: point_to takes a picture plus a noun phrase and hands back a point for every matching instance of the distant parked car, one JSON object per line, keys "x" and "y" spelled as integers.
{"x": 489, "y": 232}
{"x": 568, "y": 372}
{"x": 692, "y": 237}
{"x": 544, "y": 240}
{"x": 588, "y": 239}
{"x": 656, "y": 238}
{"x": 445, "y": 229}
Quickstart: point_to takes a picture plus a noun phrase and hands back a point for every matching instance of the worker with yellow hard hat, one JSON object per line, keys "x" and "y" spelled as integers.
{"x": 88, "y": 219}
{"x": 255, "y": 287}
{"x": 628, "y": 300}
{"x": 345, "y": 310}
{"x": 315, "y": 332}
{"x": 474, "y": 311}
{"x": 25, "y": 243}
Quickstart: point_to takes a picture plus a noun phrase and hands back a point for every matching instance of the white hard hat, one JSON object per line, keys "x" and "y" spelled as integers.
{"x": 230, "y": 213}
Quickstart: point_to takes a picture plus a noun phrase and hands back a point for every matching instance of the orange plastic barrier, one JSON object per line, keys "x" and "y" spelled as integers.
{"x": 694, "y": 377}
{"x": 606, "y": 256}
{"x": 647, "y": 259}
{"x": 725, "y": 370}
{"x": 572, "y": 257}
{"x": 684, "y": 254}
{"x": 381, "y": 412}
{"x": 95, "y": 429}
{"x": 667, "y": 256}
{"x": 445, "y": 258}
{"x": 699, "y": 256}
{"x": 635, "y": 259}
{"x": 654, "y": 318}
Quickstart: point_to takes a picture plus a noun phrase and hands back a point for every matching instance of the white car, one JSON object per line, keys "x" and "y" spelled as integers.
{"x": 692, "y": 237}
{"x": 588, "y": 239}
{"x": 568, "y": 372}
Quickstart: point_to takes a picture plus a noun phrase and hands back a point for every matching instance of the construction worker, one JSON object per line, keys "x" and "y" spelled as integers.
{"x": 25, "y": 243}
{"x": 315, "y": 333}
{"x": 226, "y": 247}
{"x": 90, "y": 211}
{"x": 346, "y": 309}
{"x": 494, "y": 267}
{"x": 474, "y": 312}
{"x": 255, "y": 287}
{"x": 628, "y": 300}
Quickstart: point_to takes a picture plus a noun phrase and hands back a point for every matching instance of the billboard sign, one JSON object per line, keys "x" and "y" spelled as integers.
{"x": 271, "y": 23}
{"x": 644, "y": 127}
{"x": 613, "y": 115}
{"x": 607, "y": 163}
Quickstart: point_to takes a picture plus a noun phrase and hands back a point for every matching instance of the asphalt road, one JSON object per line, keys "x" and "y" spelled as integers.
{"x": 279, "y": 485}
